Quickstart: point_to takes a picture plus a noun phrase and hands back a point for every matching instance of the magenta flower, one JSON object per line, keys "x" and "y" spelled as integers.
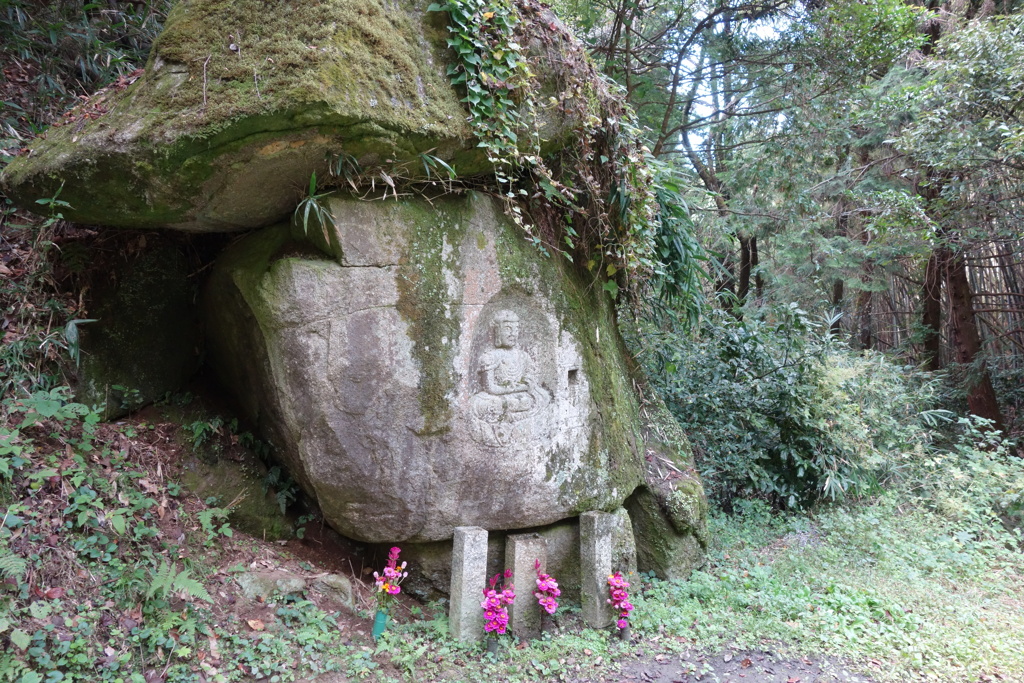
{"x": 495, "y": 601}
{"x": 547, "y": 603}
{"x": 619, "y": 599}
{"x": 547, "y": 590}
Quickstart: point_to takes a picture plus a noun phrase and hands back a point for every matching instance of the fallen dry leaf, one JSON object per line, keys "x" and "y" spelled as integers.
{"x": 255, "y": 624}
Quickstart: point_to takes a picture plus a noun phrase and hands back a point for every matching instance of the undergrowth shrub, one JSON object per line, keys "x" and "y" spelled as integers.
{"x": 54, "y": 52}
{"x": 976, "y": 481}
{"x": 776, "y": 408}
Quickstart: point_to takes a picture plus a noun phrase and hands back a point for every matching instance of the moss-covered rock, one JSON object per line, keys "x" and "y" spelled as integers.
{"x": 241, "y": 100}
{"x": 254, "y": 509}
{"x": 669, "y": 513}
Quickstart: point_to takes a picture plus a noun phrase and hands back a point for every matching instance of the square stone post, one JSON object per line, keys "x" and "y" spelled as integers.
{"x": 596, "y": 530}
{"x": 521, "y": 553}
{"x": 469, "y": 576}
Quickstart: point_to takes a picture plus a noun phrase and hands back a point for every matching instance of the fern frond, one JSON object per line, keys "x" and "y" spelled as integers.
{"x": 191, "y": 587}
{"x": 13, "y": 566}
{"x": 163, "y": 580}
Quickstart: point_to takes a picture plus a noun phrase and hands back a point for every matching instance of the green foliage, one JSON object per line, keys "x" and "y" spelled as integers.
{"x": 203, "y": 430}
{"x": 977, "y": 480}
{"x": 975, "y": 79}
{"x": 599, "y": 201}
{"x": 214, "y": 523}
{"x": 62, "y": 51}
{"x": 313, "y": 205}
{"x": 286, "y": 490}
{"x": 491, "y": 68}
{"x": 679, "y": 276}
{"x": 167, "y": 581}
{"x": 867, "y": 582}
{"x": 775, "y": 408}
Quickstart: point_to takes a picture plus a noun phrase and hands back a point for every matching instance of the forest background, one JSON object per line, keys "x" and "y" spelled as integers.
{"x": 838, "y": 315}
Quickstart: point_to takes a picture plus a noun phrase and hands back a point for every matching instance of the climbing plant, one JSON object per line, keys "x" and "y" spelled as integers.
{"x": 599, "y": 200}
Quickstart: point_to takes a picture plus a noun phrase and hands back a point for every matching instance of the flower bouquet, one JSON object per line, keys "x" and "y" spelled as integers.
{"x": 497, "y": 598}
{"x": 547, "y": 590}
{"x": 388, "y": 586}
{"x": 619, "y": 601}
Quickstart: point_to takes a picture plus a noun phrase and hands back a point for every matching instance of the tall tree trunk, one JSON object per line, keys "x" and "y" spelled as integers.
{"x": 864, "y": 311}
{"x": 743, "y": 286}
{"x": 1012, "y": 285}
{"x": 837, "y": 306}
{"x": 931, "y": 313}
{"x": 981, "y": 397}
{"x": 755, "y": 263}
{"x": 864, "y": 301}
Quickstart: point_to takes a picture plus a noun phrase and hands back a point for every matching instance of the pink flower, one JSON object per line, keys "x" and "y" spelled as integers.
{"x": 617, "y": 581}
{"x": 619, "y": 599}
{"x": 495, "y": 599}
{"x": 547, "y": 590}
{"x": 547, "y": 602}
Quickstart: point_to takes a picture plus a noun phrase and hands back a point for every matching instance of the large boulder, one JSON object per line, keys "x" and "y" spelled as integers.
{"x": 242, "y": 99}
{"x": 434, "y": 371}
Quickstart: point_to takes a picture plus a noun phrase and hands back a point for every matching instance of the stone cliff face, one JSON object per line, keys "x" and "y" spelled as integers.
{"x": 417, "y": 363}
{"x": 435, "y": 372}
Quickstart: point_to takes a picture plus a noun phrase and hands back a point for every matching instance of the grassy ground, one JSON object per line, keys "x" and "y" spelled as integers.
{"x": 115, "y": 572}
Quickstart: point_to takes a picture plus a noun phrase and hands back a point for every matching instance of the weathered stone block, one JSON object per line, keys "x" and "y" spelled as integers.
{"x": 436, "y": 372}
{"x": 661, "y": 547}
{"x": 596, "y": 532}
{"x": 265, "y": 584}
{"x": 469, "y": 577}
{"x": 221, "y": 143}
{"x": 522, "y": 552}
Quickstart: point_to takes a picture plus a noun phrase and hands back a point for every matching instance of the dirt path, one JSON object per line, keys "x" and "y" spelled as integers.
{"x": 734, "y": 666}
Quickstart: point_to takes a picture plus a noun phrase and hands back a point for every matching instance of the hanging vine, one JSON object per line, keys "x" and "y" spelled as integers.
{"x": 599, "y": 199}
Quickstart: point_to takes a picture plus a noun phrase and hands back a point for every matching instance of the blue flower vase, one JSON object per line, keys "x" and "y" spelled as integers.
{"x": 380, "y": 623}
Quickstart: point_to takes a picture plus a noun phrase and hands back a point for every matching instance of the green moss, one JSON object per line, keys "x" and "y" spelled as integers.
{"x": 356, "y": 56}
{"x": 687, "y": 509}
{"x": 348, "y": 76}
{"x": 256, "y": 511}
{"x": 659, "y": 547}
{"x": 426, "y": 303}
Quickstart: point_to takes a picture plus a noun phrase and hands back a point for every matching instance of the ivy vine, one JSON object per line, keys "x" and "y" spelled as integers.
{"x": 600, "y": 200}
{"x": 492, "y": 69}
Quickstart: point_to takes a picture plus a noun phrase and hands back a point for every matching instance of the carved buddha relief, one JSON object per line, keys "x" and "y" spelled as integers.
{"x": 509, "y": 392}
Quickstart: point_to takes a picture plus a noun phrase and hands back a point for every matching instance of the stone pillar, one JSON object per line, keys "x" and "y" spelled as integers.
{"x": 596, "y": 530}
{"x": 521, "y": 553}
{"x": 469, "y": 576}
